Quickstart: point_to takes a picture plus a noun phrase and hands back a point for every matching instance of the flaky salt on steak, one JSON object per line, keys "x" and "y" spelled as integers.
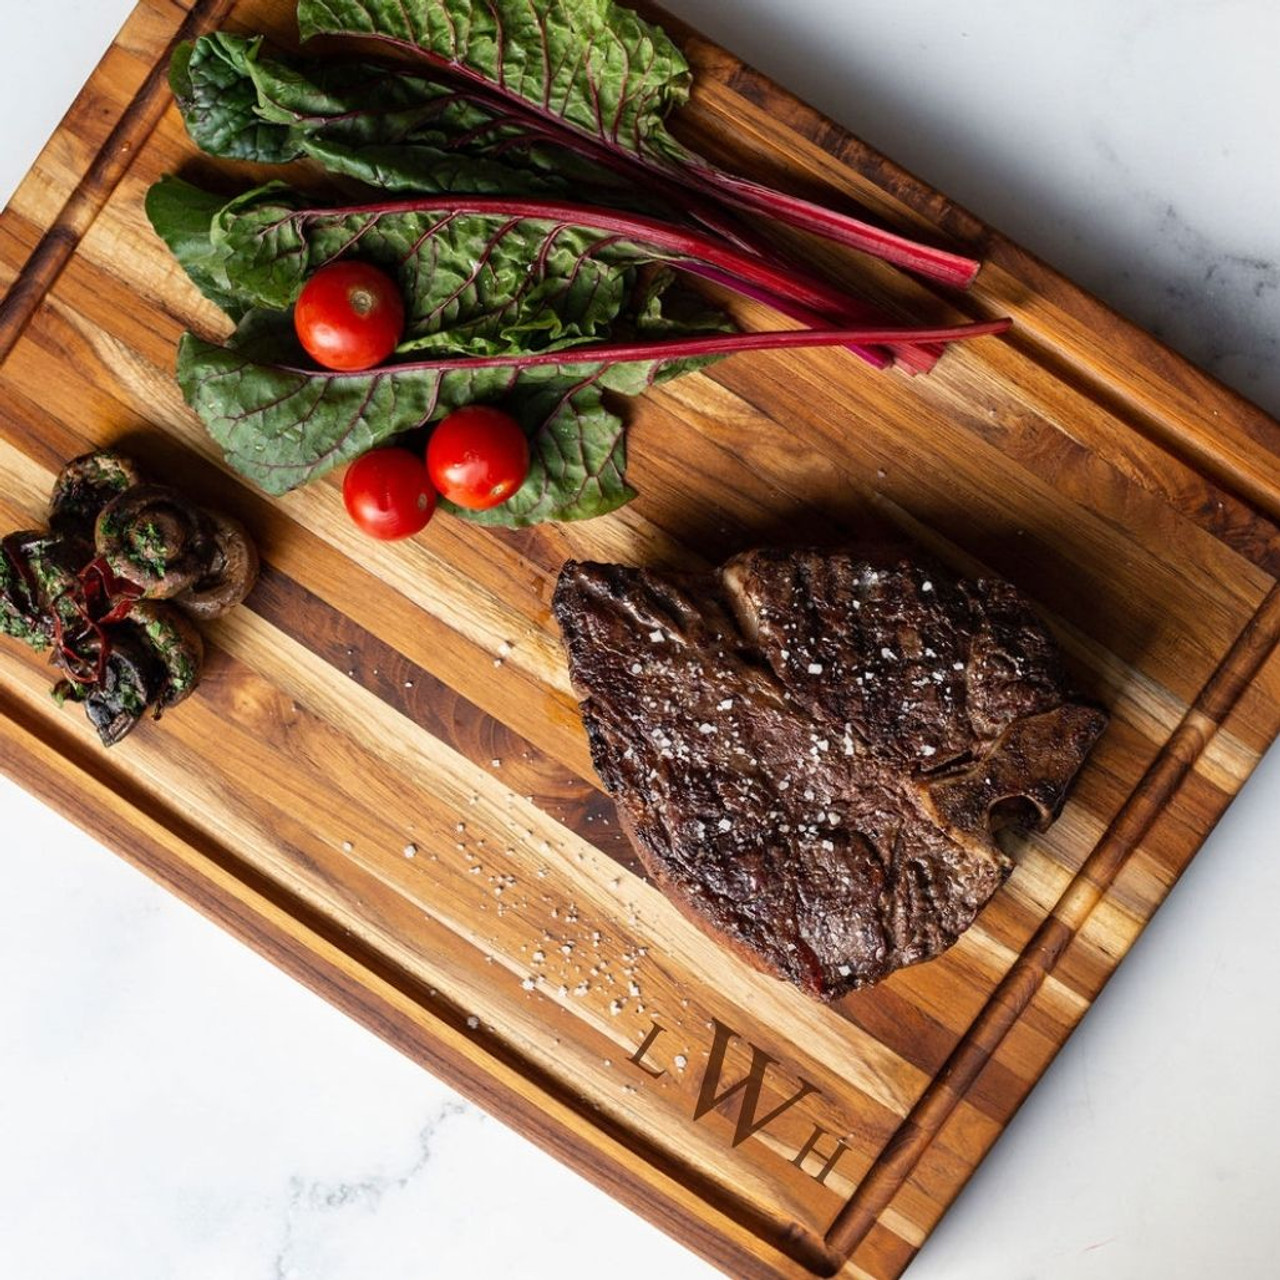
{"x": 810, "y": 751}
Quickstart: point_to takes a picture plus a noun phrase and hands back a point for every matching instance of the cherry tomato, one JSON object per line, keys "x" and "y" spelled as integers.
{"x": 388, "y": 494}
{"x": 478, "y": 457}
{"x": 349, "y": 316}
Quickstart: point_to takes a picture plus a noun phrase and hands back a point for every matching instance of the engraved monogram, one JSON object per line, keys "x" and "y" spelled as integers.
{"x": 713, "y": 1096}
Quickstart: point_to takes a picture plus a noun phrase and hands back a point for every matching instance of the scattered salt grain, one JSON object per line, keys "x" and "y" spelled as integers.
{"x": 411, "y": 851}
{"x": 926, "y": 586}
{"x": 636, "y": 668}
{"x": 887, "y": 654}
{"x": 725, "y": 825}
{"x": 347, "y": 846}
{"x": 655, "y": 637}
{"x": 528, "y": 984}
{"x": 927, "y": 750}
{"x": 473, "y": 1022}
{"x": 815, "y": 668}
{"x": 706, "y": 728}
{"x": 681, "y": 1061}
{"x": 726, "y": 705}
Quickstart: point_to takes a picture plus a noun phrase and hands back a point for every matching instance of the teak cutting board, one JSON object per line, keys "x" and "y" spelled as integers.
{"x": 378, "y": 701}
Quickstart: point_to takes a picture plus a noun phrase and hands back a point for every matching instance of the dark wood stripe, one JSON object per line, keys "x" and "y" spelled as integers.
{"x": 92, "y": 192}
{"x": 1020, "y": 985}
{"x": 576, "y": 803}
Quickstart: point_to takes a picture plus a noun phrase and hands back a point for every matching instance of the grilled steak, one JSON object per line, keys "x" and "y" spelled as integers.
{"x": 811, "y": 751}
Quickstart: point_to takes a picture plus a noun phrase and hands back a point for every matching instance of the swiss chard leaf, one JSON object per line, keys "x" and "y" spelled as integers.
{"x": 380, "y": 124}
{"x": 599, "y": 72}
{"x": 212, "y": 82}
{"x": 591, "y": 64}
{"x": 283, "y": 426}
{"x": 543, "y": 285}
{"x": 480, "y": 284}
{"x": 182, "y": 216}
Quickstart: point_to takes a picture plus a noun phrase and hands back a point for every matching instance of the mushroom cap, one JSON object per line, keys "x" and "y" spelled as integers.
{"x": 153, "y": 536}
{"x": 232, "y": 574}
{"x": 132, "y": 680}
{"x": 177, "y": 644}
{"x": 83, "y": 487}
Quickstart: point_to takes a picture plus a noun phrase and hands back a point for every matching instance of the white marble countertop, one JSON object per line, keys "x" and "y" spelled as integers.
{"x": 171, "y": 1106}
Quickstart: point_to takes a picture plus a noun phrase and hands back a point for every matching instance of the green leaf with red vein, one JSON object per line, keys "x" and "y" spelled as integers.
{"x": 590, "y": 63}
{"x": 597, "y": 72}
{"x": 472, "y": 282}
{"x": 375, "y": 122}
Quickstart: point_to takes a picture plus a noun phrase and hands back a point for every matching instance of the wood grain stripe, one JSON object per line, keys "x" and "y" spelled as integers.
{"x": 135, "y": 125}
{"x": 574, "y": 801}
{"x": 860, "y": 1214}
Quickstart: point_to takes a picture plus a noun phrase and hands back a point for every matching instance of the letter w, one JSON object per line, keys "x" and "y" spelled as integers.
{"x": 749, "y": 1086}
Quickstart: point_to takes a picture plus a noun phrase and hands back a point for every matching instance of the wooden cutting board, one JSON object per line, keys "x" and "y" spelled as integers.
{"x": 374, "y": 702}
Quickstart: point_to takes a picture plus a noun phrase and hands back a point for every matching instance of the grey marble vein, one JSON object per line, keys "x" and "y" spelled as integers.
{"x": 325, "y": 1197}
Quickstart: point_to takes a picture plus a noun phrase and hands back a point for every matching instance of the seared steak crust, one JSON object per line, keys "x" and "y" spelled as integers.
{"x": 810, "y": 750}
